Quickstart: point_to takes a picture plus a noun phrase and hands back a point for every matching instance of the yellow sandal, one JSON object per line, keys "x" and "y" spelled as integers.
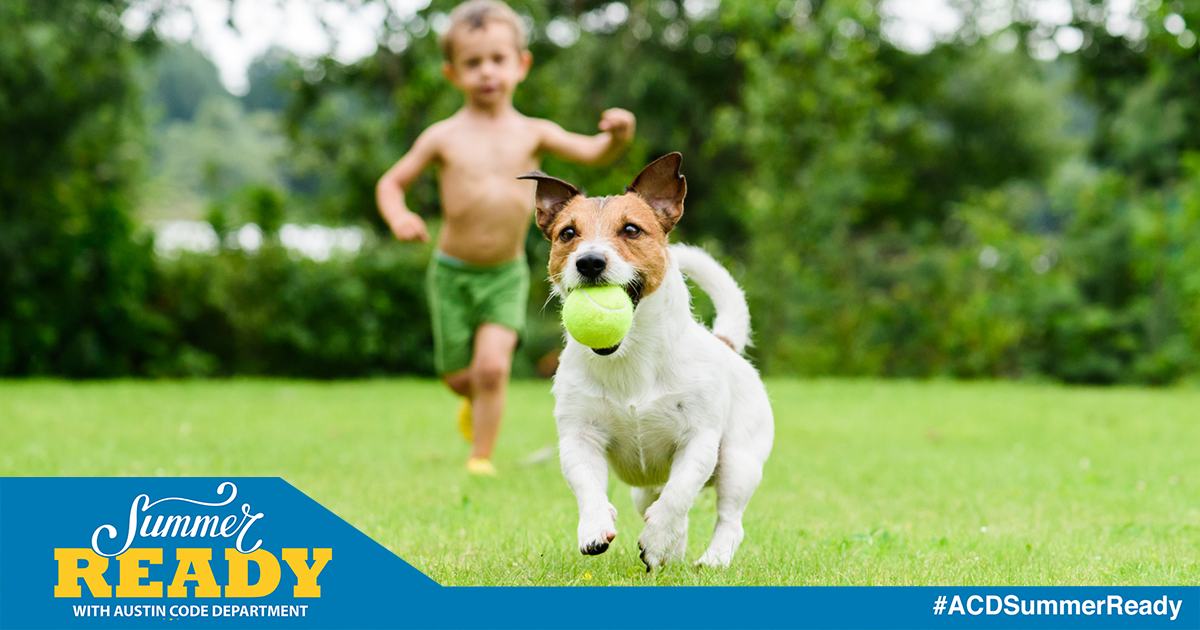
{"x": 481, "y": 466}
{"x": 466, "y": 422}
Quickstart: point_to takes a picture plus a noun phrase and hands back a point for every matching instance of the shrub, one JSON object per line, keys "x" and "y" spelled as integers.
{"x": 276, "y": 313}
{"x": 73, "y": 279}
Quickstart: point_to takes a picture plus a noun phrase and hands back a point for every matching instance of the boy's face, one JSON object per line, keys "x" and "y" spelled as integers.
{"x": 486, "y": 64}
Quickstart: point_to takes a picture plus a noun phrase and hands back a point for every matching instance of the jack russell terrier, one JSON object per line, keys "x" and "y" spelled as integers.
{"x": 671, "y": 408}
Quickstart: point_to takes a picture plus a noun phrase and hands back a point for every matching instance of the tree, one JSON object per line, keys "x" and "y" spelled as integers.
{"x": 74, "y": 283}
{"x": 180, "y": 79}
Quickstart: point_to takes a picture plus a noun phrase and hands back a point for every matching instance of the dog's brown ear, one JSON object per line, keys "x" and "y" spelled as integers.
{"x": 661, "y": 186}
{"x": 553, "y": 194}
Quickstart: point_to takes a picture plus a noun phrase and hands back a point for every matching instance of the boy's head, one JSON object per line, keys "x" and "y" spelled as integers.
{"x": 485, "y": 49}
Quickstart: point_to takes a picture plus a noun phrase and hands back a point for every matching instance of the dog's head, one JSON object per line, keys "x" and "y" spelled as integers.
{"x": 620, "y": 239}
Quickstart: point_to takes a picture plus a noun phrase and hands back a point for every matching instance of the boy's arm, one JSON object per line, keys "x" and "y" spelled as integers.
{"x": 389, "y": 192}
{"x": 616, "y": 132}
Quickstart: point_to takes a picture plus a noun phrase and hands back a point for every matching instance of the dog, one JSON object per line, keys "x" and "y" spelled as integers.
{"x": 673, "y": 407}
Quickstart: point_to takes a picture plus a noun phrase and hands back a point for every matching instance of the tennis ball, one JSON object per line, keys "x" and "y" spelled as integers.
{"x": 598, "y": 317}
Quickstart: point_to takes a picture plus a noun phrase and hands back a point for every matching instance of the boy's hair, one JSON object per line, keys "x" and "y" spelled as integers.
{"x": 474, "y": 14}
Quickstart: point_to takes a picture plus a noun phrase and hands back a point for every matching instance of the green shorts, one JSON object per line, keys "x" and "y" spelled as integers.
{"x": 463, "y": 296}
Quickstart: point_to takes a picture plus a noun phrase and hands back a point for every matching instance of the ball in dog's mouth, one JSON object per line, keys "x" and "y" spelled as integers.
{"x": 634, "y": 291}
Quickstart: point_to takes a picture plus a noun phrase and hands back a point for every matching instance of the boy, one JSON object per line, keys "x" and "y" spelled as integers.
{"x": 478, "y": 280}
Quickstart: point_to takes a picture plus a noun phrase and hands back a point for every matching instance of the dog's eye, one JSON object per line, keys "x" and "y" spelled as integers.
{"x": 567, "y": 234}
{"x": 632, "y": 231}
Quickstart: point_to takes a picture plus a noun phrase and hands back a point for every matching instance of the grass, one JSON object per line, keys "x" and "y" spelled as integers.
{"x": 870, "y": 482}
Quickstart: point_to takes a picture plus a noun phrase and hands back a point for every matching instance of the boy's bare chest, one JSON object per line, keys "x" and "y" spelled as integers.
{"x": 480, "y": 154}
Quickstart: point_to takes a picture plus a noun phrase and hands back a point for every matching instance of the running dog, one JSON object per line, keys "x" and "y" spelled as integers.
{"x": 672, "y": 407}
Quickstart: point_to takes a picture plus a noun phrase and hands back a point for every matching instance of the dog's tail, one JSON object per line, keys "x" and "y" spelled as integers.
{"x": 732, "y": 324}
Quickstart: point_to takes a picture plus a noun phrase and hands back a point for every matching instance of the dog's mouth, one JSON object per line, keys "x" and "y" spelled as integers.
{"x": 634, "y": 291}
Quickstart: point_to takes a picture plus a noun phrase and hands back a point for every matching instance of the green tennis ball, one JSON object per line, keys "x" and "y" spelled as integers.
{"x": 598, "y": 317}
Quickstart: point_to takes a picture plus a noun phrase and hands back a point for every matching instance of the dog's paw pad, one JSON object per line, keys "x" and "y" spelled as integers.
{"x": 597, "y": 543}
{"x": 596, "y": 548}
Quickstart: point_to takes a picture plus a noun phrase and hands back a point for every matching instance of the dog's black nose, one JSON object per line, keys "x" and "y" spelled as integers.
{"x": 591, "y": 265}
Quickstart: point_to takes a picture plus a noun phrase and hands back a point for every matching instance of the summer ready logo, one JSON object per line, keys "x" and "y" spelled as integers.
{"x": 141, "y": 553}
{"x": 193, "y": 522}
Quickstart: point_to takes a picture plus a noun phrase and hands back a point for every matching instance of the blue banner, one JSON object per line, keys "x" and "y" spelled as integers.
{"x": 258, "y": 553}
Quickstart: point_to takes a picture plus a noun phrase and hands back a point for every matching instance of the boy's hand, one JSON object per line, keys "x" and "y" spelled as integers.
{"x": 409, "y": 227}
{"x": 619, "y": 123}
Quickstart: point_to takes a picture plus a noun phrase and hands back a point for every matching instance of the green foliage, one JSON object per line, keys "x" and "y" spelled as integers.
{"x": 270, "y": 82}
{"x": 271, "y": 313}
{"x": 968, "y": 212}
{"x": 180, "y": 80}
{"x": 205, "y": 144}
{"x": 265, "y": 208}
{"x": 1147, "y": 92}
{"x": 888, "y": 213}
{"x": 221, "y": 151}
{"x": 961, "y": 119}
{"x": 73, "y": 279}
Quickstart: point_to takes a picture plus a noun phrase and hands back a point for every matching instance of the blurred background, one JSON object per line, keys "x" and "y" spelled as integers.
{"x": 907, "y": 188}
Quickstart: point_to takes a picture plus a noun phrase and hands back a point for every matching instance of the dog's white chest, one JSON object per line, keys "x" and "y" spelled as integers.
{"x": 643, "y": 437}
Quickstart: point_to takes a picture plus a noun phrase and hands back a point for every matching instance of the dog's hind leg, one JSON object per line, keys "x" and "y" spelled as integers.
{"x": 737, "y": 478}
{"x": 644, "y": 497}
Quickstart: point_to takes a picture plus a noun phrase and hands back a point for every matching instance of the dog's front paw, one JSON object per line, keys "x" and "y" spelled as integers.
{"x": 653, "y": 558}
{"x": 597, "y": 532}
{"x": 661, "y": 539}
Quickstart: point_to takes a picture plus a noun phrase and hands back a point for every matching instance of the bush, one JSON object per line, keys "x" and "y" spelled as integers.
{"x": 73, "y": 279}
{"x": 274, "y": 313}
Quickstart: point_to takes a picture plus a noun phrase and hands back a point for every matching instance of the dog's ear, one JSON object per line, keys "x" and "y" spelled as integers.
{"x": 553, "y": 194}
{"x": 661, "y": 186}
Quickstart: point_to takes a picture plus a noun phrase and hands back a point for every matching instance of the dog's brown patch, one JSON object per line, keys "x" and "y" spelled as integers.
{"x": 652, "y": 205}
{"x": 605, "y": 219}
{"x": 561, "y": 249}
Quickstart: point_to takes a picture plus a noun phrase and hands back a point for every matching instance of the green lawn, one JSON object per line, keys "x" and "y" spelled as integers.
{"x": 871, "y": 482}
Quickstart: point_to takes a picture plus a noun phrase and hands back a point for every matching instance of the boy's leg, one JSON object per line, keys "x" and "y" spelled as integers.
{"x": 490, "y": 369}
{"x": 459, "y": 382}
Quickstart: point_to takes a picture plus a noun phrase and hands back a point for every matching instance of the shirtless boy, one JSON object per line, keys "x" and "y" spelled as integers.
{"x": 478, "y": 280}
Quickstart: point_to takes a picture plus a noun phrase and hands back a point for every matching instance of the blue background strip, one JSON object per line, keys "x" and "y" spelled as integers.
{"x": 366, "y": 586}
